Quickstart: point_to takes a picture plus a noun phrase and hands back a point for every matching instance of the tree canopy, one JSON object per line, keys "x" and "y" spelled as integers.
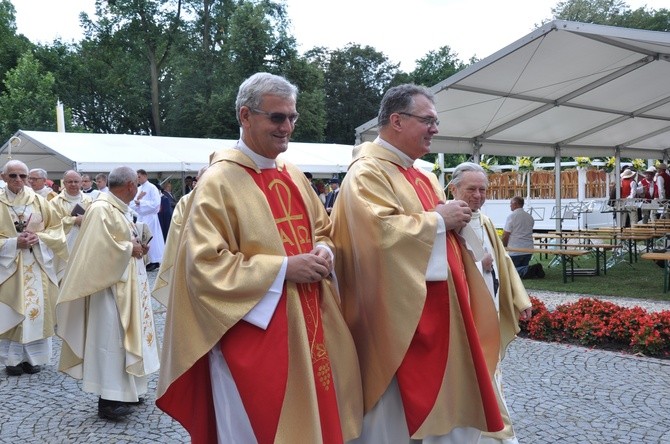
{"x": 172, "y": 68}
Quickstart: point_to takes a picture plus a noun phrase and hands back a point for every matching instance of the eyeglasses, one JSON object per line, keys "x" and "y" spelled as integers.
{"x": 426, "y": 120}
{"x": 14, "y": 176}
{"x": 36, "y": 178}
{"x": 277, "y": 118}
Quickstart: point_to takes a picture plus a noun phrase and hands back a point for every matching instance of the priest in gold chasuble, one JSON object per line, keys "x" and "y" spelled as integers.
{"x": 70, "y": 204}
{"x": 469, "y": 183}
{"x": 104, "y": 313}
{"x": 32, "y": 250}
{"x": 424, "y": 324}
{"x": 256, "y": 349}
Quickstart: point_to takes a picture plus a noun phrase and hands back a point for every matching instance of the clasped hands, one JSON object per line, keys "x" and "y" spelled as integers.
{"x": 309, "y": 267}
{"x": 139, "y": 250}
{"x": 26, "y": 239}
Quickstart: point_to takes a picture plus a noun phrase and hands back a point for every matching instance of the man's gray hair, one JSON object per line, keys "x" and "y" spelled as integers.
{"x": 252, "y": 90}
{"x": 101, "y": 176}
{"x": 400, "y": 99}
{"x": 40, "y": 172}
{"x": 120, "y": 176}
{"x": 465, "y": 167}
{"x": 13, "y": 163}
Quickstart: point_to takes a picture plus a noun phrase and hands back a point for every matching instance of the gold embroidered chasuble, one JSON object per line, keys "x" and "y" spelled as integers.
{"x": 384, "y": 240}
{"x": 28, "y": 282}
{"x": 105, "y": 230}
{"x": 229, "y": 254}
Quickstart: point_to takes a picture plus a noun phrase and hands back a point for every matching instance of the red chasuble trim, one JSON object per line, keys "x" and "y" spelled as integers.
{"x": 189, "y": 401}
{"x": 258, "y": 359}
{"x": 422, "y": 370}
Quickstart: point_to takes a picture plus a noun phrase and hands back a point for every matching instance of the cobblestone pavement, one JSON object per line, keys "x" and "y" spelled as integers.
{"x": 556, "y": 394}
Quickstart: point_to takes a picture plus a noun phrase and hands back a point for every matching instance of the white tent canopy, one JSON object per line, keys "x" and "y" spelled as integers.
{"x": 568, "y": 88}
{"x": 58, "y": 152}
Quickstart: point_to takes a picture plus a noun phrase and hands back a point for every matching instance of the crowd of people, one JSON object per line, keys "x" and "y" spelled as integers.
{"x": 642, "y": 194}
{"x": 376, "y": 312}
{"x": 78, "y": 259}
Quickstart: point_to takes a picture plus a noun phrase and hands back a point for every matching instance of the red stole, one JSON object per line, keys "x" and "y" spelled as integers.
{"x": 258, "y": 359}
{"x": 422, "y": 370}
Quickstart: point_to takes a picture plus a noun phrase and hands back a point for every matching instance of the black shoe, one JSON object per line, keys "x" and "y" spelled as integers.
{"x": 139, "y": 401}
{"x": 539, "y": 271}
{"x": 112, "y": 410}
{"x": 530, "y": 273}
{"x": 153, "y": 266}
{"x": 30, "y": 369}
{"x": 14, "y": 370}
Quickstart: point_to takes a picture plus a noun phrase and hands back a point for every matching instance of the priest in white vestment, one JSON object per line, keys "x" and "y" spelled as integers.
{"x": 31, "y": 238}
{"x": 104, "y": 313}
{"x": 146, "y": 204}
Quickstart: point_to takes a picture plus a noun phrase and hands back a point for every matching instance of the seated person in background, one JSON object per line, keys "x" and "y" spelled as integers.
{"x": 518, "y": 233}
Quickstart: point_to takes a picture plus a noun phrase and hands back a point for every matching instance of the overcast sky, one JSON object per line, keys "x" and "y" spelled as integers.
{"x": 403, "y": 30}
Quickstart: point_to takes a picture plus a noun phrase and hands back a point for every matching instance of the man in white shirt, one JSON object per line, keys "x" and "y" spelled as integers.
{"x": 518, "y": 233}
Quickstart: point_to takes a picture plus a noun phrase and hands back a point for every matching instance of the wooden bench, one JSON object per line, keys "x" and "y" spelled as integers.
{"x": 661, "y": 257}
{"x": 600, "y": 249}
{"x": 564, "y": 253}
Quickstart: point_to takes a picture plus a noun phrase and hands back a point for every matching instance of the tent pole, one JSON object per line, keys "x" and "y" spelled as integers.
{"x": 440, "y": 162}
{"x": 557, "y": 188}
{"x": 476, "y": 155}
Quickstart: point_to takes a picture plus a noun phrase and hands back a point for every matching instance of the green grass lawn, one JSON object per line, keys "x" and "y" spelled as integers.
{"x": 642, "y": 279}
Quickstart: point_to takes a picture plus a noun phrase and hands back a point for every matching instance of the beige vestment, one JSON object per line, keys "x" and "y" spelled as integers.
{"x": 28, "y": 277}
{"x": 102, "y": 264}
{"x": 384, "y": 240}
{"x": 229, "y": 254}
{"x": 64, "y": 204}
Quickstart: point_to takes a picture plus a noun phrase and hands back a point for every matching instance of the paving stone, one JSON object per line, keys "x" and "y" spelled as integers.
{"x": 555, "y": 393}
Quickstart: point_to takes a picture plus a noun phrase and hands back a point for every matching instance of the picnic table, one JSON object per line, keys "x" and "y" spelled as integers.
{"x": 666, "y": 273}
{"x": 566, "y": 255}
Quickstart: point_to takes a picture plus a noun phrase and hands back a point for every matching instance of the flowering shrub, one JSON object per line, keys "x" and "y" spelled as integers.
{"x": 524, "y": 163}
{"x": 639, "y": 164}
{"x": 601, "y": 324}
{"x": 610, "y": 164}
{"x": 583, "y": 161}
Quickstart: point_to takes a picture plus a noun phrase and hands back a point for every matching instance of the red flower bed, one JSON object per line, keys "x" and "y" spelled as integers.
{"x": 601, "y": 324}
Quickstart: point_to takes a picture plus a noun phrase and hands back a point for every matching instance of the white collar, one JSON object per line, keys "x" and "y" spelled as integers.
{"x": 405, "y": 160}
{"x": 262, "y": 162}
